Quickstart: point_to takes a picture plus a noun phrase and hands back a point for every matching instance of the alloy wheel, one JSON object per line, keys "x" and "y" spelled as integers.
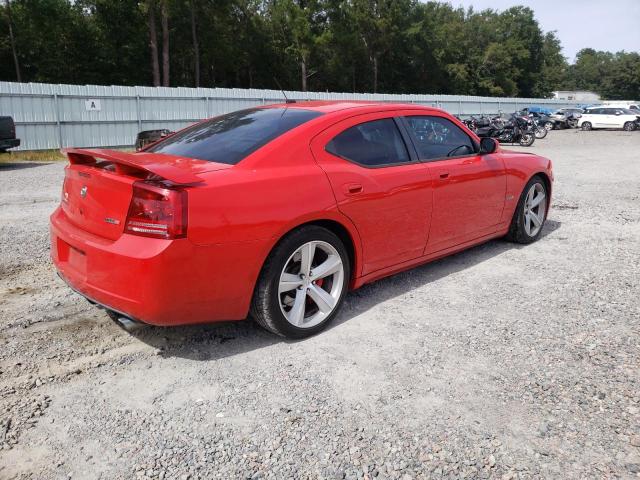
{"x": 535, "y": 206}
{"x": 310, "y": 284}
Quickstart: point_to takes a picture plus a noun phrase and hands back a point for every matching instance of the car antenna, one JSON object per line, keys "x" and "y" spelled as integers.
{"x": 286, "y": 99}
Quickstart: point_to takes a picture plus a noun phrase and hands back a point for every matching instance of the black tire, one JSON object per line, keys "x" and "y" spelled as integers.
{"x": 265, "y": 305}
{"x": 517, "y": 232}
{"x": 586, "y": 126}
{"x": 548, "y": 126}
{"x": 629, "y": 126}
{"x": 3, "y": 150}
{"x": 541, "y": 132}
{"x": 527, "y": 139}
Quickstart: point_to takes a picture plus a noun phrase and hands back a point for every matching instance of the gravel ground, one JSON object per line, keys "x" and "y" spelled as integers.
{"x": 500, "y": 362}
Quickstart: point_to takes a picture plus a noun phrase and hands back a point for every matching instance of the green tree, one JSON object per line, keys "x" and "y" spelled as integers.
{"x": 553, "y": 71}
{"x": 293, "y": 31}
{"x": 623, "y": 80}
{"x": 403, "y": 46}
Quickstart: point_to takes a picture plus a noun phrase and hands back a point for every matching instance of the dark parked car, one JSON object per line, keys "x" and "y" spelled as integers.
{"x": 542, "y": 119}
{"x": 8, "y": 134}
{"x": 147, "y": 137}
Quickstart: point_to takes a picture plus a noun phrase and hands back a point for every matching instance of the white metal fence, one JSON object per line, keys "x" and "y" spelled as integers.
{"x": 52, "y": 116}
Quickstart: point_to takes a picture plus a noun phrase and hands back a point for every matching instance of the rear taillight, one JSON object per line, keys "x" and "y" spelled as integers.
{"x": 157, "y": 211}
{"x": 64, "y": 196}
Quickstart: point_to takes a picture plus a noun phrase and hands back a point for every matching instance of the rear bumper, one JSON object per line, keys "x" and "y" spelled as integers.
{"x": 9, "y": 143}
{"x": 95, "y": 302}
{"x": 155, "y": 281}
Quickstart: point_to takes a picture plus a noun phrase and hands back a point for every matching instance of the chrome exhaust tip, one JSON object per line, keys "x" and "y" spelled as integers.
{"x": 128, "y": 324}
{"x": 125, "y": 322}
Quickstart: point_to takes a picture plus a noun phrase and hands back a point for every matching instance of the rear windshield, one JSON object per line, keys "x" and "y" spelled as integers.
{"x": 230, "y": 138}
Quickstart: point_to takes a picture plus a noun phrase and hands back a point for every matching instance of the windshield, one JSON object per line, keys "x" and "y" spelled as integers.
{"x": 230, "y": 138}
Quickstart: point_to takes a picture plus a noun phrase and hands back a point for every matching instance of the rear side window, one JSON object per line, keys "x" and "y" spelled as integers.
{"x": 438, "y": 137}
{"x": 230, "y": 138}
{"x": 371, "y": 144}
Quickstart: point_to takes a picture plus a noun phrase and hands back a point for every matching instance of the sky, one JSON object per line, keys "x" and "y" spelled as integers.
{"x": 611, "y": 25}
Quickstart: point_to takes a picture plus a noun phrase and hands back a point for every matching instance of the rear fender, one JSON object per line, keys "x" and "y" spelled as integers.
{"x": 332, "y": 216}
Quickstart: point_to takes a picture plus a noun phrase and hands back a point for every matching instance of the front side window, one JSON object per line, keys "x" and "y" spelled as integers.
{"x": 438, "y": 137}
{"x": 371, "y": 144}
{"x": 230, "y": 138}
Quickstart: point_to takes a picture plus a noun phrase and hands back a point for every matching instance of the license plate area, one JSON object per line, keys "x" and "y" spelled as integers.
{"x": 74, "y": 258}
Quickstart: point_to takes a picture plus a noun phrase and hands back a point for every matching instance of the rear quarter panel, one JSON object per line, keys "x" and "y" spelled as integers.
{"x": 258, "y": 201}
{"x": 246, "y": 204}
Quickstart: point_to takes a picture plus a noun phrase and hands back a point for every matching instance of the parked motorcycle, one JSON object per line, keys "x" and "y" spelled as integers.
{"x": 540, "y": 120}
{"x": 517, "y": 129}
{"x": 541, "y": 115}
{"x": 470, "y": 123}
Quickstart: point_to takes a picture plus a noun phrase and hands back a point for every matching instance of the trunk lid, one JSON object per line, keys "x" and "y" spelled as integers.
{"x": 98, "y": 184}
{"x": 96, "y": 201}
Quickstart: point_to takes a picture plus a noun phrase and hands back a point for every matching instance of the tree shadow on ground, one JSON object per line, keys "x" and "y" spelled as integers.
{"x": 220, "y": 340}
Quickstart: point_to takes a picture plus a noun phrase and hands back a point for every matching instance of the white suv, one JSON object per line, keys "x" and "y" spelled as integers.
{"x": 609, "y": 117}
{"x": 627, "y": 105}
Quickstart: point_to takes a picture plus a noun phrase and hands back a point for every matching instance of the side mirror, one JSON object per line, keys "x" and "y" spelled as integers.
{"x": 488, "y": 145}
{"x": 618, "y": 113}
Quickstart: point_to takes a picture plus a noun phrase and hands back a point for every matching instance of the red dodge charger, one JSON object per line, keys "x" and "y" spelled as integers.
{"x": 275, "y": 212}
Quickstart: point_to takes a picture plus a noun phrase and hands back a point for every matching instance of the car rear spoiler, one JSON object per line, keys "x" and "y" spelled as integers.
{"x": 135, "y": 164}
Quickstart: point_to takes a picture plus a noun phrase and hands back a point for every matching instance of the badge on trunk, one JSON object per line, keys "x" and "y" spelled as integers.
{"x": 83, "y": 191}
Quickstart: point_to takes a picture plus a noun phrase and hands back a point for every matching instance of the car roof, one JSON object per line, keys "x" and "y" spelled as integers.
{"x": 327, "y": 106}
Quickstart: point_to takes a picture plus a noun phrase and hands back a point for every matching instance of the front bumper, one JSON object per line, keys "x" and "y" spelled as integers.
{"x": 156, "y": 281}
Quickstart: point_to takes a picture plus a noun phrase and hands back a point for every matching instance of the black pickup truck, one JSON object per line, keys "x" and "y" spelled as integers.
{"x": 8, "y": 134}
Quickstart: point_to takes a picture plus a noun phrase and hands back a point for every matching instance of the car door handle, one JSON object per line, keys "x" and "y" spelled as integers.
{"x": 352, "y": 188}
{"x": 444, "y": 175}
